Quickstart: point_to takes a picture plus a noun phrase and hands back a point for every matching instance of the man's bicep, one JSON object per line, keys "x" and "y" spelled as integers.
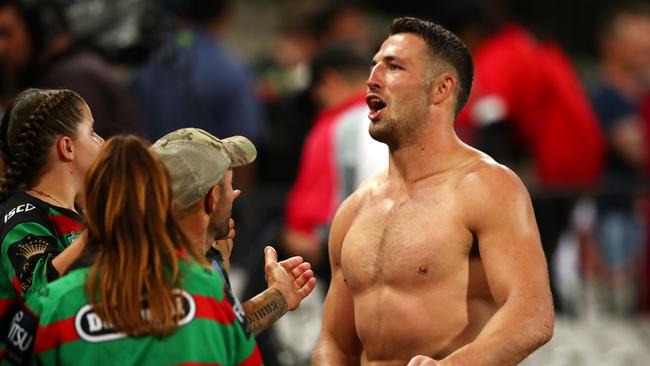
{"x": 510, "y": 246}
{"x": 339, "y": 307}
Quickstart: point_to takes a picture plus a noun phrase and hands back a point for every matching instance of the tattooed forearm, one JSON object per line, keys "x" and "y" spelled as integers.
{"x": 264, "y": 309}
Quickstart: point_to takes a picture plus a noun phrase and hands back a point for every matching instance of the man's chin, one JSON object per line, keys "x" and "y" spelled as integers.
{"x": 379, "y": 133}
{"x": 219, "y": 232}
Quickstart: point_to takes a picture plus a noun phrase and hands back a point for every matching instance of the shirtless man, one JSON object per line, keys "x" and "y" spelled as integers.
{"x": 440, "y": 255}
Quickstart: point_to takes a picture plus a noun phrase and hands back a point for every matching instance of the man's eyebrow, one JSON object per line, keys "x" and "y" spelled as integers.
{"x": 392, "y": 58}
{"x": 387, "y": 58}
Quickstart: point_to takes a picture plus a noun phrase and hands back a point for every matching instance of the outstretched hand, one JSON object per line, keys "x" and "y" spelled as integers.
{"x": 293, "y": 277}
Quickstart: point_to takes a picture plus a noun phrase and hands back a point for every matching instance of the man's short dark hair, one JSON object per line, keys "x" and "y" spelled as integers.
{"x": 444, "y": 45}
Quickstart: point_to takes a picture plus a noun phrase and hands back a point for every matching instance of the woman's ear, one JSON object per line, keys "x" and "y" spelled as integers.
{"x": 65, "y": 148}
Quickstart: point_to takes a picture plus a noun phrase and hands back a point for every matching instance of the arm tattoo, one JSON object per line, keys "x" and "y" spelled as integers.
{"x": 264, "y": 309}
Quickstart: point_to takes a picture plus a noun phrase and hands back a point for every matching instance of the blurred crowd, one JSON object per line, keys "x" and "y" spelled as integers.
{"x": 293, "y": 80}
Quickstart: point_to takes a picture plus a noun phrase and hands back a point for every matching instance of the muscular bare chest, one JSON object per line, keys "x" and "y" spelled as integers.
{"x": 405, "y": 242}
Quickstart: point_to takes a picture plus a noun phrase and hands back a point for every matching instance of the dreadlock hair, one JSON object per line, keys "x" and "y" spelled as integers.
{"x": 30, "y": 126}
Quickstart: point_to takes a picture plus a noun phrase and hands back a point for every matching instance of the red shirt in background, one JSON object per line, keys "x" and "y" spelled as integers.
{"x": 533, "y": 85}
{"x": 314, "y": 197}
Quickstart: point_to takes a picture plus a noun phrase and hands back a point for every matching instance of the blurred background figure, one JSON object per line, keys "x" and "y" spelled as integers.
{"x": 194, "y": 79}
{"x": 624, "y": 45}
{"x": 337, "y": 155}
{"x": 38, "y": 49}
{"x": 285, "y": 82}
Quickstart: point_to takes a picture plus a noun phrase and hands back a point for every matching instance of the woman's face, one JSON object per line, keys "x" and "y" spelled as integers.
{"x": 87, "y": 143}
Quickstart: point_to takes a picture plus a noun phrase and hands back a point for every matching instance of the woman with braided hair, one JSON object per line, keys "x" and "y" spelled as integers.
{"x": 47, "y": 143}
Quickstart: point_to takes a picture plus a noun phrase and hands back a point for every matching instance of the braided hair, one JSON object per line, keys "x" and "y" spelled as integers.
{"x": 30, "y": 126}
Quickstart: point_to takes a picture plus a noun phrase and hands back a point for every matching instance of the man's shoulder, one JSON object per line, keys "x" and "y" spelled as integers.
{"x": 369, "y": 188}
{"x": 488, "y": 189}
{"x": 483, "y": 177}
{"x": 367, "y": 191}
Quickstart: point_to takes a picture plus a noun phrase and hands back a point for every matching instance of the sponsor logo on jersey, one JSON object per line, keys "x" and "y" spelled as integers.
{"x": 25, "y": 207}
{"x": 92, "y": 328}
{"x": 19, "y": 336}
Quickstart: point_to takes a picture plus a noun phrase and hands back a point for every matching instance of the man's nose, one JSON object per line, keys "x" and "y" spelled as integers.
{"x": 374, "y": 80}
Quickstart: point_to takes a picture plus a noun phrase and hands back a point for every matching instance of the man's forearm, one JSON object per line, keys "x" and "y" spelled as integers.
{"x": 264, "y": 309}
{"x": 508, "y": 338}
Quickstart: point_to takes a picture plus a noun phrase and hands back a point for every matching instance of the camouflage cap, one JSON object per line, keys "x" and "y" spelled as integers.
{"x": 197, "y": 161}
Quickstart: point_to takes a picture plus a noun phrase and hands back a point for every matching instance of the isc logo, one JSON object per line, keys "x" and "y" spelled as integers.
{"x": 26, "y": 207}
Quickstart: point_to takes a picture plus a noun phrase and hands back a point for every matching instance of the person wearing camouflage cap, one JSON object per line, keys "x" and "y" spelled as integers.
{"x": 200, "y": 168}
{"x": 196, "y": 161}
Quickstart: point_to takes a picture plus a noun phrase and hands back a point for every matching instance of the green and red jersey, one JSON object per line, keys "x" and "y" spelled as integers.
{"x": 58, "y": 327}
{"x": 32, "y": 233}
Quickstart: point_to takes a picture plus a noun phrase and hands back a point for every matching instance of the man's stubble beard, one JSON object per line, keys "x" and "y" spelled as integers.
{"x": 219, "y": 229}
{"x": 399, "y": 127}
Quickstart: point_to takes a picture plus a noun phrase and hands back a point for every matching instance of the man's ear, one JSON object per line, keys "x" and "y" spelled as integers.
{"x": 443, "y": 88}
{"x": 65, "y": 148}
{"x": 211, "y": 199}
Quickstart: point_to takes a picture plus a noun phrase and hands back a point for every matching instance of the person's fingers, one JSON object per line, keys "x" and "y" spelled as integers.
{"x": 231, "y": 234}
{"x": 302, "y": 279}
{"x": 300, "y": 269}
{"x": 235, "y": 194}
{"x": 309, "y": 286}
{"x": 290, "y": 264}
{"x": 270, "y": 256}
{"x": 231, "y": 230}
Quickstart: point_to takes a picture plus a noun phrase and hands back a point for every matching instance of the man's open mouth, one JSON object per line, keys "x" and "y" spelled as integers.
{"x": 376, "y": 105}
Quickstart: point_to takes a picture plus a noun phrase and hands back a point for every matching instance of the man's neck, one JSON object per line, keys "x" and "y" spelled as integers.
{"x": 435, "y": 149}
{"x": 194, "y": 226}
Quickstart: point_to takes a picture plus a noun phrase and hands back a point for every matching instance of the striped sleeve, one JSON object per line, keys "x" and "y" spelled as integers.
{"x": 27, "y": 253}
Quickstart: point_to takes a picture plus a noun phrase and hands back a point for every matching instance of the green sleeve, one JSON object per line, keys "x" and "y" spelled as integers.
{"x": 27, "y": 253}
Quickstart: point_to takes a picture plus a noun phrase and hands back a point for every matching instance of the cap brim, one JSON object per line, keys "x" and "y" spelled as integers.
{"x": 240, "y": 150}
